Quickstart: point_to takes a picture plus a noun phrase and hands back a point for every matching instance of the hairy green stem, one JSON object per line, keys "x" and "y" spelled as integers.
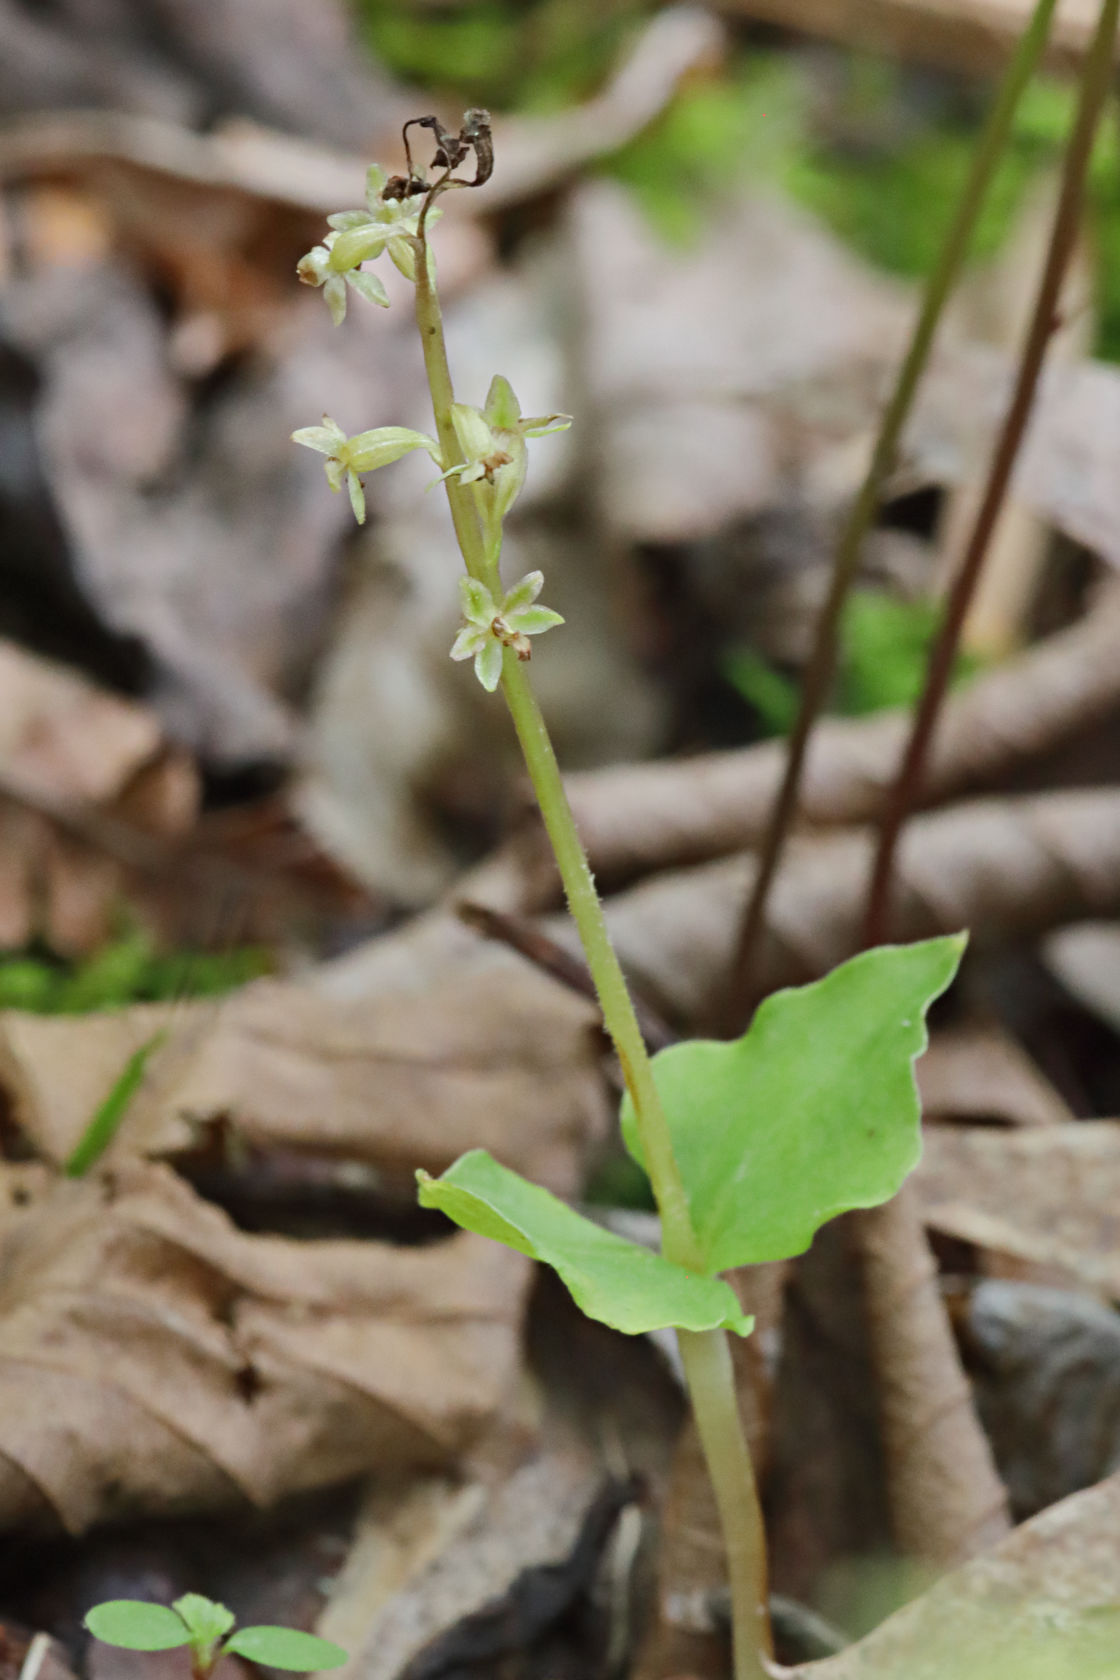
{"x": 429, "y": 322}
{"x": 822, "y": 661}
{"x": 606, "y": 972}
{"x": 1096, "y": 81}
{"x": 706, "y": 1357}
{"x": 711, "y": 1386}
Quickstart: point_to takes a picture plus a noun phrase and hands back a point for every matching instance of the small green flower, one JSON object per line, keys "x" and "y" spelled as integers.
{"x": 492, "y": 625}
{"x": 349, "y": 457}
{"x": 357, "y": 237}
{"x": 493, "y": 442}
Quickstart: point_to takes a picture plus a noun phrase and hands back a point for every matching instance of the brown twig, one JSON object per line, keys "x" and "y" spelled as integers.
{"x": 551, "y": 958}
{"x": 818, "y": 676}
{"x": 638, "y": 818}
{"x": 906, "y": 791}
{"x": 946, "y": 1499}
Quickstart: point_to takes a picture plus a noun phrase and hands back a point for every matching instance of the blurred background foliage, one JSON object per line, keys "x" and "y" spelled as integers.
{"x": 130, "y": 969}
{"x": 877, "y": 149}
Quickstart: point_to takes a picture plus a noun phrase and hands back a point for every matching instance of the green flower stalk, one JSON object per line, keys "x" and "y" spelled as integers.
{"x": 483, "y": 459}
{"x": 749, "y": 1147}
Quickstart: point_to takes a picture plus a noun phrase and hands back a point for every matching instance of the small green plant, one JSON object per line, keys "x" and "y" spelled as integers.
{"x": 128, "y": 969}
{"x": 749, "y": 1147}
{"x": 884, "y": 646}
{"x": 205, "y": 1628}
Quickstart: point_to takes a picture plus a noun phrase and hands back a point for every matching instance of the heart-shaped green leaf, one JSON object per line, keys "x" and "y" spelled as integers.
{"x": 137, "y": 1625}
{"x": 615, "y": 1281}
{"x": 813, "y": 1111}
{"x": 280, "y": 1647}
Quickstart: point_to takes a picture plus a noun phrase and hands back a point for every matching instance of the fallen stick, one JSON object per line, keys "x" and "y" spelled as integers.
{"x": 1008, "y": 868}
{"x": 636, "y": 818}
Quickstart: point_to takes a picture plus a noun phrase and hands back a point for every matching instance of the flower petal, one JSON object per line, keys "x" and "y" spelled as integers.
{"x": 542, "y": 424}
{"x": 335, "y": 293}
{"x": 366, "y": 451}
{"x": 476, "y": 440}
{"x": 502, "y": 410}
{"x": 335, "y": 470}
{"x": 368, "y": 286}
{"x": 357, "y": 497}
{"x": 312, "y": 269}
{"x": 479, "y": 606}
{"x": 325, "y": 438}
{"x": 488, "y": 664}
{"x": 509, "y": 477}
{"x": 523, "y": 592}
{"x": 357, "y": 245}
{"x": 348, "y": 219}
{"x": 468, "y": 642}
{"x": 403, "y": 253}
{"x": 375, "y": 180}
{"x": 532, "y": 621}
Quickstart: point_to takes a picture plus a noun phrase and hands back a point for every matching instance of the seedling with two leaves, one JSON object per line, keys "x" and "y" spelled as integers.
{"x": 206, "y": 1629}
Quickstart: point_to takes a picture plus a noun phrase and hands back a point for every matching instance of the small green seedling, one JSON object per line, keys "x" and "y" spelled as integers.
{"x": 107, "y": 1118}
{"x": 206, "y": 1628}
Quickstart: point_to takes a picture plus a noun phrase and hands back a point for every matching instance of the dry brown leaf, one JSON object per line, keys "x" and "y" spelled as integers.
{"x": 946, "y": 1500}
{"x": 532, "y": 1517}
{"x": 506, "y": 1062}
{"x": 1064, "y": 473}
{"x": 980, "y": 1073}
{"x": 592, "y": 1407}
{"x": 154, "y": 1358}
{"x": 986, "y": 1620}
{"x": 536, "y": 154}
{"x": 646, "y": 816}
{"x": 198, "y": 60}
{"x": 1050, "y": 1196}
{"x": 1009, "y": 868}
{"x": 683, "y": 366}
{"x": 1086, "y": 959}
{"x": 86, "y": 784}
{"x": 62, "y": 736}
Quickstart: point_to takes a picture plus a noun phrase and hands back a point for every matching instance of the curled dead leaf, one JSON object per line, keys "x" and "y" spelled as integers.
{"x": 647, "y": 816}
{"x": 505, "y": 1061}
{"x": 1049, "y": 1196}
{"x": 1008, "y": 868}
{"x": 1035, "y": 1596}
{"x": 156, "y": 1359}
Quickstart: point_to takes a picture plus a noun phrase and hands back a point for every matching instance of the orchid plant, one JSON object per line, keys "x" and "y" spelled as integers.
{"x": 749, "y": 1146}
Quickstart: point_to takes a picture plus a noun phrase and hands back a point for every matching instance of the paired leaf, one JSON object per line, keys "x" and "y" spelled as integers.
{"x": 814, "y": 1111}
{"x": 201, "y": 1623}
{"x": 615, "y": 1281}
{"x": 137, "y": 1626}
{"x": 280, "y": 1647}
